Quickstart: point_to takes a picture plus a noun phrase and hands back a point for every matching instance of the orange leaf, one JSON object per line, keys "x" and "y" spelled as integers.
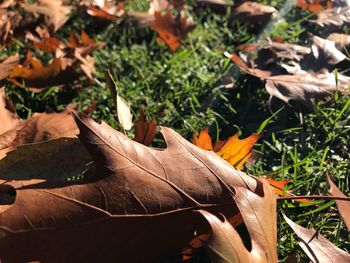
{"x": 203, "y": 140}
{"x": 277, "y": 185}
{"x": 239, "y": 62}
{"x": 315, "y": 6}
{"x": 236, "y": 150}
{"x": 145, "y": 131}
{"x": 32, "y": 71}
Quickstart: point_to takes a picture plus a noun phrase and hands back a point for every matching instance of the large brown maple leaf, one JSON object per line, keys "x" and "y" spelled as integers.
{"x": 139, "y": 209}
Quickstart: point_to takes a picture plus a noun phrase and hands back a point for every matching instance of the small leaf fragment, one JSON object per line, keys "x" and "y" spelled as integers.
{"x": 316, "y": 247}
{"x": 145, "y": 131}
{"x": 343, "y": 206}
{"x": 122, "y": 107}
{"x": 203, "y": 141}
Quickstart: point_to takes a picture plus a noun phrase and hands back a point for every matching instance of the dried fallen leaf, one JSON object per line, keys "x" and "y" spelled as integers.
{"x": 145, "y": 131}
{"x": 300, "y": 87}
{"x": 43, "y": 40}
{"x": 343, "y": 206}
{"x": 334, "y": 16}
{"x": 56, "y": 14}
{"x": 34, "y": 160}
{"x": 8, "y": 116}
{"x": 7, "y": 65}
{"x": 317, "y": 248}
{"x": 340, "y": 40}
{"x": 304, "y": 86}
{"x": 314, "y": 6}
{"x": 35, "y": 75}
{"x": 253, "y": 13}
{"x": 259, "y": 216}
{"x": 38, "y": 128}
{"x": 62, "y": 69}
{"x": 105, "y": 9}
{"x": 140, "y": 195}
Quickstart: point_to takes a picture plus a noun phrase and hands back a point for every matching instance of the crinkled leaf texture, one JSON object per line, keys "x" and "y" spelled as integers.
{"x": 140, "y": 209}
{"x": 259, "y": 216}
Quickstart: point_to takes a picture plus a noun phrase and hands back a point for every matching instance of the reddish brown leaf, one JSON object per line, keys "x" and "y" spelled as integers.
{"x": 145, "y": 131}
{"x": 343, "y": 206}
{"x": 7, "y": 65}
{"x": 317, "y": 248}
{"x": 314, "y": 6}
{"x": 44, "y": 41}
{"x": 141, "y": 196}
{"x": 38, "y": 128}
{"x": 35, "y": 74}
{"x": 171, "y": 29}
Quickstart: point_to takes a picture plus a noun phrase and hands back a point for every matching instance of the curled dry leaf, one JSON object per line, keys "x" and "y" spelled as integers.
{"x": 303, "y": 87}
{"x": 316, "y": 247}
{"x": 122, "y": 107}
{"x": 253, "y": 13}
{"x": 54, "y": 11}
{"x": 43, "y": 40}
{"x": 300, "y": 87}
{"x": 34, "y": 74}
{"x": 280, "y": 57}
{"x": 141, "y": 196}
{"x": 145, "y": 131}
{"x": 259, "y": 216}
{"x": 343, "y": 206}
{"x": 62, "y": 69}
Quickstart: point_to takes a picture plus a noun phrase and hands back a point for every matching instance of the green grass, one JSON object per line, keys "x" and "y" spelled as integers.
{"x": 186, "y": 90}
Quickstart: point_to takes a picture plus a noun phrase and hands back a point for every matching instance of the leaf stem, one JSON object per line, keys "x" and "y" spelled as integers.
{"x": 316, "y": 197}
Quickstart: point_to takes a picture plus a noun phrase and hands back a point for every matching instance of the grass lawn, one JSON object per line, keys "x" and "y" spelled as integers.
{"x": 188, "y": 90}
